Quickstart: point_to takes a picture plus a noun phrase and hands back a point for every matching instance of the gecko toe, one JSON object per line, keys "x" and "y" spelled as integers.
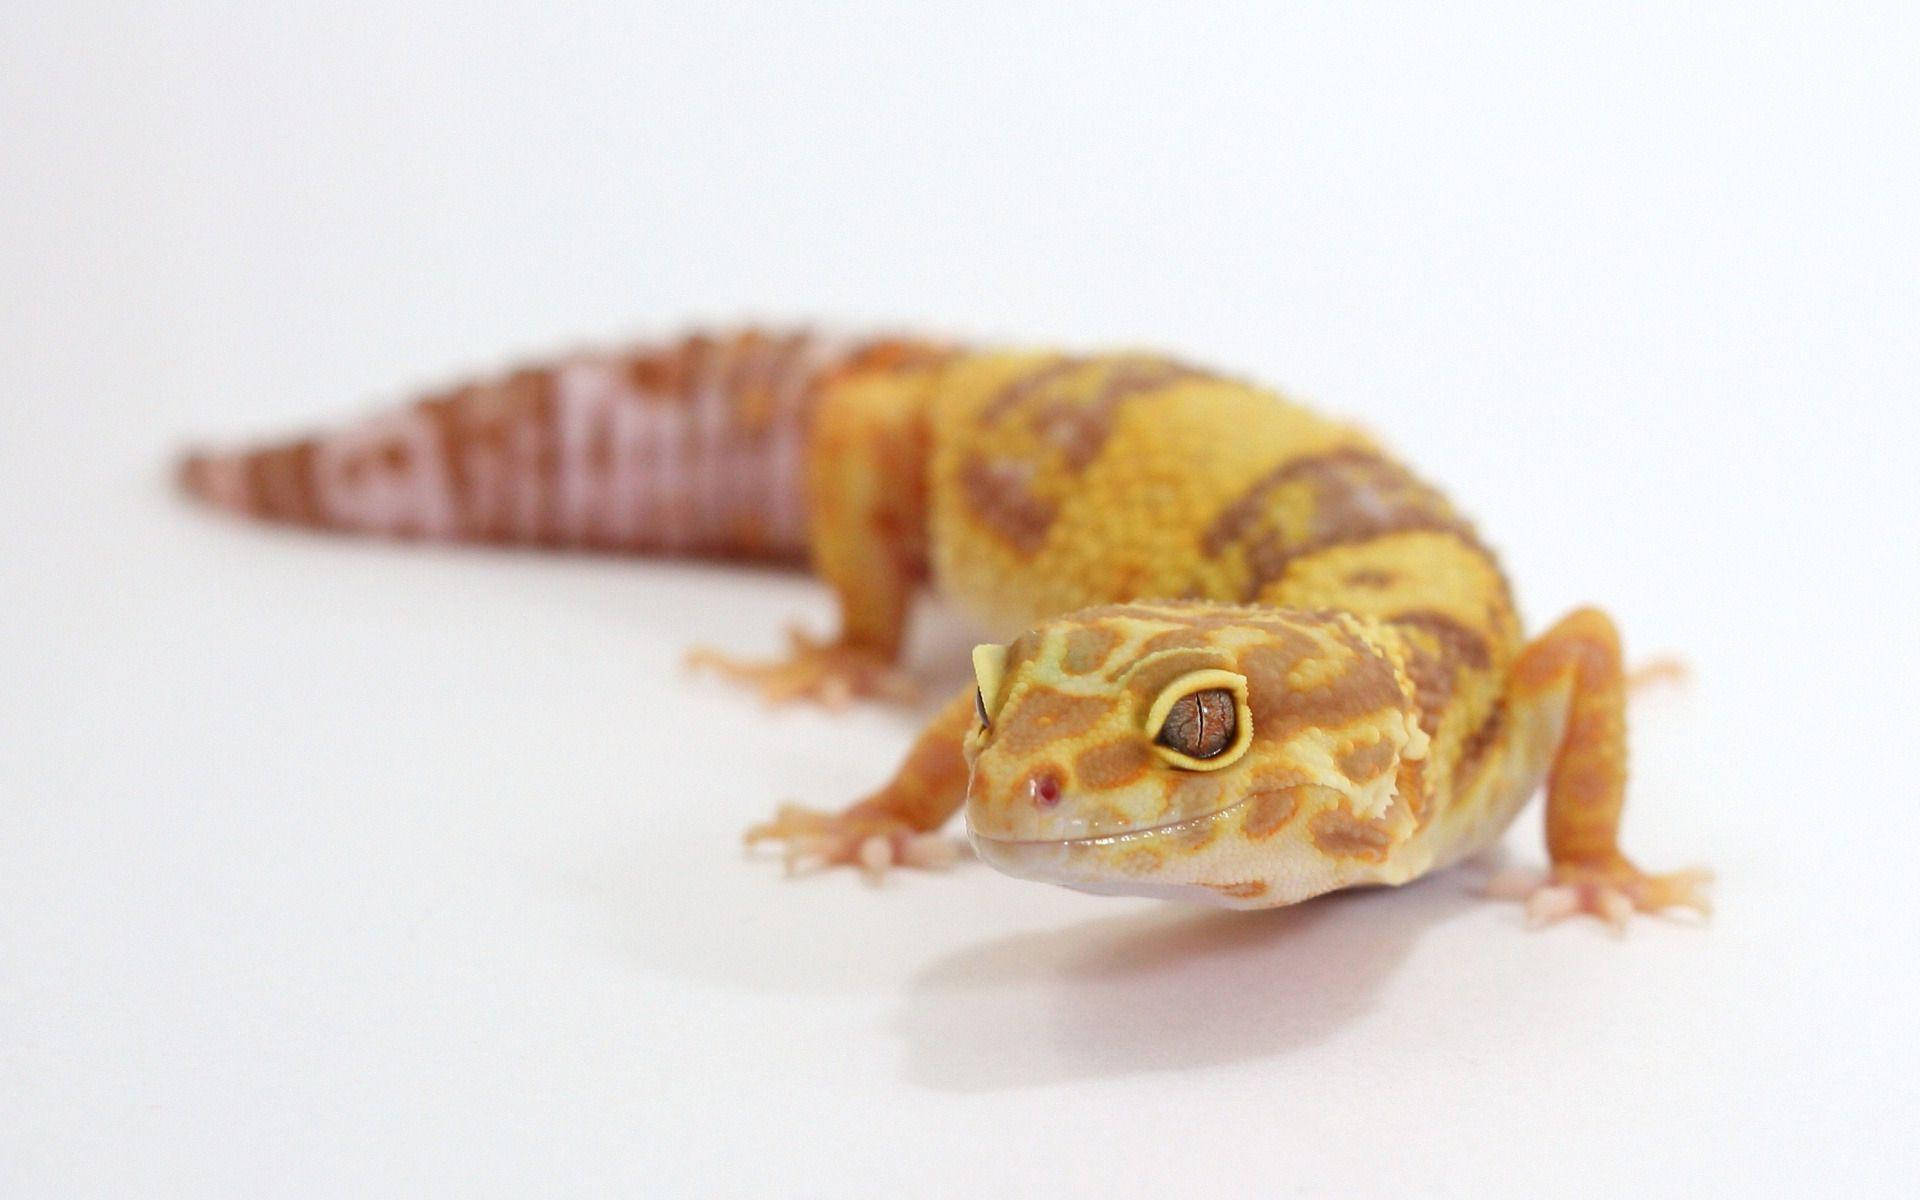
{"x": 1549, "y": 904}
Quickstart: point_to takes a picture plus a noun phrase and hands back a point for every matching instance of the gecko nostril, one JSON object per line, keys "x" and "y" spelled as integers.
{"x": 1044, "y": 787}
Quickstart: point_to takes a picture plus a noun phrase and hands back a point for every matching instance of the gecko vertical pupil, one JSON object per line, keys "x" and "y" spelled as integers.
{"x": 980, "y": 707}
{"x": 1200, "y": 724}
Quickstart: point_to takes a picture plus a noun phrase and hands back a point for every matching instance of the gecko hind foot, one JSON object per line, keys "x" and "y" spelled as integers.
{"x": 815, "y": 840}
{"x": 1612, "y": 892}
{"x": 829, "y": 673}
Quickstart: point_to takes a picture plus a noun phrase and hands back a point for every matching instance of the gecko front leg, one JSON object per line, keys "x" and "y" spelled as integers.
{"x": 897, "y": 824}
{"x": 1577, "y": 664}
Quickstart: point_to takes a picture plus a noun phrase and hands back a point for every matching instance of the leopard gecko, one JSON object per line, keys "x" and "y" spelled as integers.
{"x": 1244, "y": 656}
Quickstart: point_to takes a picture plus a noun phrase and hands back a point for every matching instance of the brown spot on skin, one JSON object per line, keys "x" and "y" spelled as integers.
{"x": 1087, "y": 649}
{"x": 1024, "y": 649}
{"x": 1112, "y": 764}
{"x": 1462, "y": 642}
{"x": 1371, "y": 580}
{"x": 1040, "y": 716}
{"x": 280, "y": 483}
{"x": 1349, "y": 495}
{"x": 1175, "y": 639}
{"x": 1269, "y": 811}
{"x": 1151, "y": 678}
{"x": 1074, "y": 421}
{"x": 1410, "y": 789}
{"x": 1363, "y": 764}
{"x": 1000, "y": 493}
{"x": 1340, "y": 834}
{"x": 1025, "y": 387}
{"x": 1280, "y": 710}
{"x": 1439, "y": 647}
{"x": 1137, "y": 612}
{"x": 1081, "y": 428}
{"x": 1252, "y": 889}
{"x": 1475, "y": 746}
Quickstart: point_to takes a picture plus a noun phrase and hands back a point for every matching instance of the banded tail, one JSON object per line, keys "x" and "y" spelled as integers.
{"x": 694, "y": 448}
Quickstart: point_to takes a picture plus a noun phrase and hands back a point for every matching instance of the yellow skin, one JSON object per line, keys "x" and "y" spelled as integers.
{"x": 1141, "y": 531}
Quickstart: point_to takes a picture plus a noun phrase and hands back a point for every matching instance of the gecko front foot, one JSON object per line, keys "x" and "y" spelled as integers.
{"x": 871, "y": 841}
{"x": 1612, "y": 891}
{"x": 830, "y": 673}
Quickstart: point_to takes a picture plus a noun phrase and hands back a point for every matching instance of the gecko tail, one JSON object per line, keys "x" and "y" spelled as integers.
{"x": 694, "y": 447}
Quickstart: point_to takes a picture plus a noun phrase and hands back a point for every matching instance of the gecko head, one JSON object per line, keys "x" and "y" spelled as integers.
{"x": 1239, "y": 756}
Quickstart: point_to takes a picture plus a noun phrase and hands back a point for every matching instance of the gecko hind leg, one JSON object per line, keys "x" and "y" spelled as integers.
{"x": 1577, "y": 664}
{"x": 866, "y": 530}
{"x": 896, "y": 826}
{"x": 830, "y": 673}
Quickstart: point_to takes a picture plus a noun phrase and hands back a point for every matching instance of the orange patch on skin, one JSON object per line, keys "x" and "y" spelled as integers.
{"x": 1112, "y": 764}
{"x": 1282, "y": 710}
{"x": 1088, "y": 647}
{"x": 1252, "y": 889}
{"x": 1268, "y": 812}
{"x": 1340, "y": 834}
{"x": 1365, "y": 763}
{"x": 1040, "y": 716}
{"x": 1151, "y": 679}
{"x": 1175, "y": 639}
{"x": 1410, "y": 789}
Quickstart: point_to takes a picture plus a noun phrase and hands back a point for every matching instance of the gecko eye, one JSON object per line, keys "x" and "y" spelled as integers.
{"x": 1200, "y": 724}
{"x": 1201, "y": 721}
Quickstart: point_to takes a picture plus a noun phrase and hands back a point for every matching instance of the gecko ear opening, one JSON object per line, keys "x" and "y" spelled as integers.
{"x": 989, "y": 669}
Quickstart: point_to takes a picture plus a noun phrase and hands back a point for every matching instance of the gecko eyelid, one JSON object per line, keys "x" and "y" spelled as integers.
{"x": 1200, "y": 721}
{"x": 989, "y": 671}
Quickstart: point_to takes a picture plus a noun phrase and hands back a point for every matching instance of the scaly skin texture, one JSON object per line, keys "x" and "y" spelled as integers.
{"x": 1138, "y": 530}
{"x": 1398, "y": 721}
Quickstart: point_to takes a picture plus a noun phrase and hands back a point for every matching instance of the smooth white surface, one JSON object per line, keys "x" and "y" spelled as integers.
{"x": 341, "y": 869}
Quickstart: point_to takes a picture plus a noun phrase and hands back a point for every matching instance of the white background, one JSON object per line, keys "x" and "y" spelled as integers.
{"x": 331, "y": 868}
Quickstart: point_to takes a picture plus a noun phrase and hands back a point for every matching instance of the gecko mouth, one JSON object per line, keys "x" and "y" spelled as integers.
{"x": 1073, "y": 859}
{"x": 1107, "y": 839}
